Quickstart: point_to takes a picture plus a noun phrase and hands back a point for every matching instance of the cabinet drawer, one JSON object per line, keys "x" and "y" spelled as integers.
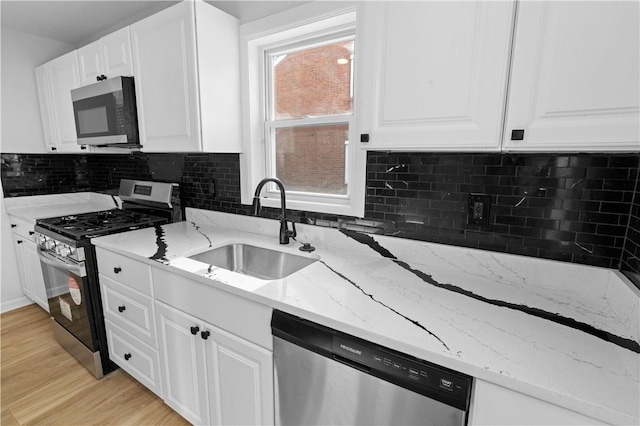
{"x": 129, "y": 309}
{"x": 22, "y": 227}
{"x": 131, "y": 272}
{"x": 135, "y": 357}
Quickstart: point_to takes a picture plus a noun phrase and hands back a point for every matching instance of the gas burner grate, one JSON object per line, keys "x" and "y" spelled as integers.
{"x": 94, "y": 224}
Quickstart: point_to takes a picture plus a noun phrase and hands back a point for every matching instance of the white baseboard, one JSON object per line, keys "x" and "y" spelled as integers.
{"x": 10, "y": 305}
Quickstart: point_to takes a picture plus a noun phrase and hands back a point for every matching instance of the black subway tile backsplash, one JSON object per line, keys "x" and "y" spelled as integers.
{"x": 39, "y": 174}
{"x": 581, "y": 208}
{"x": 566, "y": 207}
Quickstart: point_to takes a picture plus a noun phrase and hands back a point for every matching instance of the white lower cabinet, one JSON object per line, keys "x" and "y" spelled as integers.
{"x": 495, "y": 405}
{"x": 29, "y": 269}
{"x": 182, "y": 353}
{"x": 206, "y": 352}
{"x": 127, "y": 306}
{"x": 240, "y": 377}
{"x": 135, "y": 357}
{"x": 211, "y": 376}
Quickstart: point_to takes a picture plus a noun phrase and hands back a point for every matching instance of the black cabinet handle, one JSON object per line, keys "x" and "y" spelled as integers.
{"x": 127, "y": 356}
{"x": 195, "y": 329}
{"x": 19, "y": 241}
{"x": 13, "y": 225}
{"x": 205, "y": 334}
{"x": 83, "y": 147}
{"x": 53, "y": 148}
{"x": 121, "y": 308}
{"x": 117, "y": 269}
{"x": 517, "y": 135}
{"x": 31, "y": 232}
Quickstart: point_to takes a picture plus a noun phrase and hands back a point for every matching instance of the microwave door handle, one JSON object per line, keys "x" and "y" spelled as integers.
{"x": 79, "y": 270}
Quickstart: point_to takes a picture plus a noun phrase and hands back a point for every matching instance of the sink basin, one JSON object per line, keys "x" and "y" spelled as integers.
{"x": 254, "y": 261}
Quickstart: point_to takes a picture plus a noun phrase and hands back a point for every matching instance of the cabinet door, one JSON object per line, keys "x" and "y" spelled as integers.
{"x": 110, "y": 56}
{"x": 433, "y": 75}
{"x": 182, "y": 355}
{"x": 45, "y": 102}
{"x": 163, "y": 48}
{"x": 63, "y": 76}
{"x": 116, "y": 54}
{"x": 240, "y": 380}
{"x": 34, "y": 274}
{"x": 90, "y": 63}
{"x": 23, "y": 270}
{"x": 575, "y": 77}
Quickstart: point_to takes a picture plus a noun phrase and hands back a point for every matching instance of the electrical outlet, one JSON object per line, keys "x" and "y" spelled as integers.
{"x": 478, "y": 209}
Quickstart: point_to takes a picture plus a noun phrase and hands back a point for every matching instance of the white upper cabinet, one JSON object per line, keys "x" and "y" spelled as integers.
{"x": 54, "y": 82}
{"x": 575, "y": 77}
{"x": 433, "y": 75}
{"x": 110, "y": 56}
{"x": 186, "y": 66}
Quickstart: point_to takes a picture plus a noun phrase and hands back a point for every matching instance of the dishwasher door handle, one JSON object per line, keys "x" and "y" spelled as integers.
{"x": 351, "y": 363}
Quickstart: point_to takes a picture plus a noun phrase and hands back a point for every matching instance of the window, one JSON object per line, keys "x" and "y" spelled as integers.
{"x": 300, "y": 105}
{"x": 309, "y": 113}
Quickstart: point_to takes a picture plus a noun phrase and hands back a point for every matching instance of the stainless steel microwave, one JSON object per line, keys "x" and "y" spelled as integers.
{"x": 105, "y": 113}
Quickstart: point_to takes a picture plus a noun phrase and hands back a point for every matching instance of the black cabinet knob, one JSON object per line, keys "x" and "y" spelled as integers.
{"x": 117, "y": 269}
{"x": 127, "y": 356}
{"x": 19, "y": 241}
{"x": 53, "y": 148}
{"x": 31, "y": 232}
{"x": 83, "y": 147}
{"x": 121, "y": 308}
{"x": 195, "y": 329}
{"x": 364, "y": 137}
{"x": 13, "y": 225}
{"x": 205, "y": 334}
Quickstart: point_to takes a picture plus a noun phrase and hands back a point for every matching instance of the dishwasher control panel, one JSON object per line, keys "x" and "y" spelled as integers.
{"x": 387, "y": 363}
{"x": 423, "y": 377}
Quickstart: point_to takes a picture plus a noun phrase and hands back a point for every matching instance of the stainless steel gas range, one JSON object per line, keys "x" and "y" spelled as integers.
{"x": 70, "y": 269}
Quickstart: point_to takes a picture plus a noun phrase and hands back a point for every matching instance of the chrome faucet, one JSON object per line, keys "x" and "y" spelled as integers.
{"x": 284, "y": 230}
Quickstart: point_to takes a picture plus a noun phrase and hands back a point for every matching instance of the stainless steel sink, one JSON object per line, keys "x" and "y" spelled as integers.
{"x": 254, "y": 261}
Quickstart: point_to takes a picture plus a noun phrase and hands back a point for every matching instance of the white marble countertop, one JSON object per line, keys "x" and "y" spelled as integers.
{"x": 44, "y": 206}
{"x": 564, "y": 333}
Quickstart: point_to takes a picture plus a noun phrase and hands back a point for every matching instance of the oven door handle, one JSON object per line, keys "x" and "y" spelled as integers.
{"x": 78, "y": 269}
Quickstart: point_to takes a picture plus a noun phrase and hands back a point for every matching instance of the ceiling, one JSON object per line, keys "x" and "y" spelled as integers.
{"x": 79, "y": 22}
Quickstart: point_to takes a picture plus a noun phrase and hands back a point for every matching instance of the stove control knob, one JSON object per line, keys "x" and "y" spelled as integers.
{"x": 63, "y": 250}
{"x": 40, "y": 239}
{"x": 49, "y": 244}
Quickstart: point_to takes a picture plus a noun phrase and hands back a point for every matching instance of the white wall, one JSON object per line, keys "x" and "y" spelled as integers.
{"x": 21, "y": 132}
{"x": 21, "y": 53}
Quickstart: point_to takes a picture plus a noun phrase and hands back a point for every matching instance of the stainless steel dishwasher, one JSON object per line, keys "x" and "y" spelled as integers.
{"x": 325, "y": 377}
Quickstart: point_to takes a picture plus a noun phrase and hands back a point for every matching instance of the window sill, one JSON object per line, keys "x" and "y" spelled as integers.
{"x": 319, "y": 207}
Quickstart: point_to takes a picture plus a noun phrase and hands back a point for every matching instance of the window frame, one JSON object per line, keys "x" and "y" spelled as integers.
{"x": 302, "y": 26}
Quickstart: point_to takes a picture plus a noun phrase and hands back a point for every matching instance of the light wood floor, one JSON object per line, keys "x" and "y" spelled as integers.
{"x": 41, "y": 383}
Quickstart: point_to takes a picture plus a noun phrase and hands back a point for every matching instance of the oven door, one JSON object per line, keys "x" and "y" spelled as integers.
{"x": 67, "y": 285}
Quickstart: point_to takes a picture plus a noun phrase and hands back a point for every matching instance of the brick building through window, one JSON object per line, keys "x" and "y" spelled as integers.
{"x": 310, "y": 83}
